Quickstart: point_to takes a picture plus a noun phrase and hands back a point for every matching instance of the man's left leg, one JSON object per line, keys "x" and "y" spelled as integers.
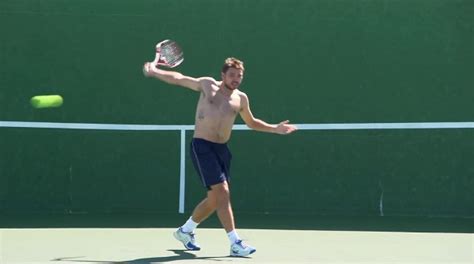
{"x": 225, "y": 213}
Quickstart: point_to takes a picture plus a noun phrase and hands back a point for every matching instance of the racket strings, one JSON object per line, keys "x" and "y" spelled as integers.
{"x": 171, "y": 53}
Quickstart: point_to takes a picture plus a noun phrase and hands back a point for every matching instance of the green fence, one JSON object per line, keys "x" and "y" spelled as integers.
{"x": 308, "y": 61}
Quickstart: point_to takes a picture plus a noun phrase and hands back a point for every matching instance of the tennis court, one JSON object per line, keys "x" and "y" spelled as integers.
{"x": 278, "y": 239}
{"x": 380, "y": 170}
{"x": 156, "y": 245}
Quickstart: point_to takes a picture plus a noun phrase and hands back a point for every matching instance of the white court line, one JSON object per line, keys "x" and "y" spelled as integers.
{"x": 91, "y": 126}
{"x": 329, "y": 126}
{"x": 184, "y": 128}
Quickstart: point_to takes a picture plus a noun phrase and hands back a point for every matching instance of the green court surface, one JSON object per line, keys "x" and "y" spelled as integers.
{"x": 157, "y": 245}
{"x": 147, "y": 238}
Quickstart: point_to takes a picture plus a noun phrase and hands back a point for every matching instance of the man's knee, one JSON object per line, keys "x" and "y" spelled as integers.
{"x": 221, "y": 189}
{"x": 219, "y": 193}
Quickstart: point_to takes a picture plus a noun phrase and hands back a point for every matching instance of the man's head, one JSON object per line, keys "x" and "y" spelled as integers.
{"x": 232, "y": 73}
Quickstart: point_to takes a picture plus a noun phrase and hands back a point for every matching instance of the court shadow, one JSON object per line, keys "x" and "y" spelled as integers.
{"x": 180, "y": 254}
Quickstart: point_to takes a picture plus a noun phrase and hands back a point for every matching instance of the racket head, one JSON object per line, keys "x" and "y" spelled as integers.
{"x": 168, "y": 54}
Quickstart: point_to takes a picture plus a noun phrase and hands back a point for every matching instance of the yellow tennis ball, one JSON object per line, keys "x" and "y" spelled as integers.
{"x": 46, "y": 101}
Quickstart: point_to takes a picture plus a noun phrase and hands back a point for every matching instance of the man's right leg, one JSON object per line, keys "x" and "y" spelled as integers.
{"x": 203, "y": 210}
{"x": 185, "y": 233}
{"x": 218, "y": 198}
{"x": 207, "y": 206}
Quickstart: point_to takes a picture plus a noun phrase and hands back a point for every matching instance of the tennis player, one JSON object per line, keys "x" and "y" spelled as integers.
{"x": 218, "y": 105}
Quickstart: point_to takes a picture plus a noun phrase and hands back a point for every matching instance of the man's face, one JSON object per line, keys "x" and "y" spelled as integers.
{"x": 232, "y": 78}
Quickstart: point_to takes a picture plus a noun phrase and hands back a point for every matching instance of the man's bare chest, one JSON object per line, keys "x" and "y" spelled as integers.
{"x": 228, "y": 105}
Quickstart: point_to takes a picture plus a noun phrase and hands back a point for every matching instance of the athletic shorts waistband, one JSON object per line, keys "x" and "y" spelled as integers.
{"x": 208, "y": 141}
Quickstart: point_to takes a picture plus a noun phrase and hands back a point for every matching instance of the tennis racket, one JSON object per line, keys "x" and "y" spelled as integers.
{"x": 168, "y": 54}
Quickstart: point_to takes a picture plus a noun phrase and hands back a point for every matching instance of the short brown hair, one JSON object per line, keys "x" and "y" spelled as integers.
{"x": 232, "y": 63}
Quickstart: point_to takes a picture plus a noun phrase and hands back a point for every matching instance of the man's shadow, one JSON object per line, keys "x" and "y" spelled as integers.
{"x": 180, "y": 254}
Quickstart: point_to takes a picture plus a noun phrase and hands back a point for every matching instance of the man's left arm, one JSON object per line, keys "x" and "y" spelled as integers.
{"x": 282, "y": 128}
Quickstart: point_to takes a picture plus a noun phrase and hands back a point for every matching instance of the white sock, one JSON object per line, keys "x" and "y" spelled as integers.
{"x": 233, "y": 236}
{"x": 189, "y": 226}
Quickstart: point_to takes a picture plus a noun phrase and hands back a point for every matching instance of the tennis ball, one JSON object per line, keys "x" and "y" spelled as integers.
{"x": 46, "y": 101}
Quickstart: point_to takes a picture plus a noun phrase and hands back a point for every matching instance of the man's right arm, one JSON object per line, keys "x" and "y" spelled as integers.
{"x": 174, "y": 78}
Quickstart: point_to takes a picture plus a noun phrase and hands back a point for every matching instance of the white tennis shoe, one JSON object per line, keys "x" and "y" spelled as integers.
{"x": 187, "y": 239}
{"x": 239, "y": 249}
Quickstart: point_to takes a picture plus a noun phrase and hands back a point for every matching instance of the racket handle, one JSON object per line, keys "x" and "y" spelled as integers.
{"x": 157, "y": 53}
{"x": 157, "y": 58}
{"x": 160, "y": 61}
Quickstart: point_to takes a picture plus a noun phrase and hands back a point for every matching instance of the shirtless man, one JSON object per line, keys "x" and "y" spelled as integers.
{"x": 217, "y": 108}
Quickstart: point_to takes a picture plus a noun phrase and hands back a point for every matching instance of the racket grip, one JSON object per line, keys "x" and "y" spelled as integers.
{"x": 160, "y": 61}
{"x": 157, "y": 58}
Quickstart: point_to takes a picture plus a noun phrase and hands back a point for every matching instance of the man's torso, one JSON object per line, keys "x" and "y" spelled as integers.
{"x": 216, "y": 112}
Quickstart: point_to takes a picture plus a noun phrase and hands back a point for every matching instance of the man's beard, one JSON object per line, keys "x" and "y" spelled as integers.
{"x": 230, "y": 87}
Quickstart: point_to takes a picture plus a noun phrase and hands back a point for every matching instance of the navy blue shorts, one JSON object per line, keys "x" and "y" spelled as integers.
{"x": 211, "y": 161}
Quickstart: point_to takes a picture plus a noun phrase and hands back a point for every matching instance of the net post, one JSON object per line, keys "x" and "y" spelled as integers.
{"x": 182, "y": 171}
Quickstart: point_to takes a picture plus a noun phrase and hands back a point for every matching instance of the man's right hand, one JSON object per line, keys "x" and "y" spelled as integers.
{"x": 148, "y": 69}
